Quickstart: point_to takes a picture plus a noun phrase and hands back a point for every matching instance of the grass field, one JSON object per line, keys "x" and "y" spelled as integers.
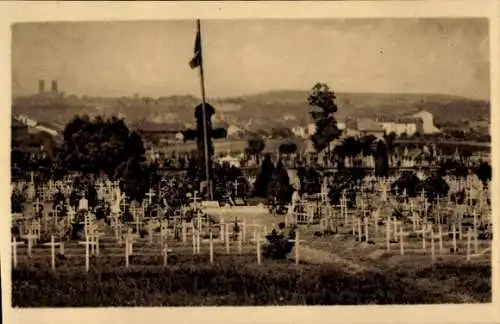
{"x": 334, "y": 270}
{"x": 238, "y": 280}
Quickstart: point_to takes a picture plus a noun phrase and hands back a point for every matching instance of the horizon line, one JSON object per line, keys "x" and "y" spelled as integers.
{"x": 252, "y": 94}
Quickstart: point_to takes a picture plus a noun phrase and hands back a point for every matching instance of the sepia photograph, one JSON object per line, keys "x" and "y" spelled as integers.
{"x": 251, "y": 162}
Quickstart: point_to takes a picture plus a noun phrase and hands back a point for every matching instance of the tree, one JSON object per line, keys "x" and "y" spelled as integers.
{"x": 351, "y": 146}
{"x": 301, "y": 174}
{"x": 322, "y": 107}
{"x": 312, "y": 181}
{"x": 189, "y": 135}
{"x": 95, "y": 146}
{"x": 409, "y": 182}
{"x": 17, "y": 200}
{"x": 483, "y": 172}
{"x": 219, "y": 133}
{"x": 263, "y": 177}
{"x": 281, "y": 132}
{"x": 255, "y": 146}
{"x": 389, "y": 140}
{"x": 107, "y": 146}
{"x": 31, "y": 151}
{"x": 366, "y": 144}
{"x": 279, "y": 185}
{"x": 435, "y": 186}
{"x": 466, "y": 154}
{"x": 381, "y": 158}
{"x": 288, "y": 148}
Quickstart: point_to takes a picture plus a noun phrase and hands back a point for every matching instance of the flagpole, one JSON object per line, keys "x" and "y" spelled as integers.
{"x": 205, "y": 135}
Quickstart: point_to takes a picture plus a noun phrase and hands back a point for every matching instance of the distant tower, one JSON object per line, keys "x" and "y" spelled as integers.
{"x": 41, "y": 86}
{"x": 54, "y": 86}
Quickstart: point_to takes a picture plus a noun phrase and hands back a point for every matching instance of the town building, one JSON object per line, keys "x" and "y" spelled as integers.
{"x": 402, "y": 125}
{"x": 157, "y": 134}
{"x": 427, "y": 118}
{"x": 300, "y": 131}
{"x": 367, "y": 127}
{"x": 234, "y": 132}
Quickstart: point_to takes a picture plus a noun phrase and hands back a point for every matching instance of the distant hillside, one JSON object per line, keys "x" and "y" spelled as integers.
{"x": 444, "y": 108}
{"x": 264, "y": 109}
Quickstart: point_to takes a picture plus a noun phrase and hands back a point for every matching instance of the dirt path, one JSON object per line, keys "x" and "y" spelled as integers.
{"x": 319, "y": 256}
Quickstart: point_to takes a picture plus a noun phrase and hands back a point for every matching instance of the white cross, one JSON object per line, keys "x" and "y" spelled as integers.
{"x": 137, "y": 222}
{"x": 150, "y": 195}
{"x": 164, "y": 228}
{"x": 257, "y": 239}
{"x": 71, "y": 214}
{"x": 166, "y": 250}
{"x": 384, "y": 192}
{"x": 32, "y": 237}
{"x": 116, "y": 226}
{"x": 14, "y": 245}
{"x": 87, "y": 243}
{"x": 195, "y": 198}
{"x": 37, "y": 203}
{"x": 129, "y": 241}
{"x": 123, "y": 204}
{"x": 36, "y": 228}
{"x": 297, "y": 241}
{"x": 52, "y": 245}
{"x": 150, "y": 226}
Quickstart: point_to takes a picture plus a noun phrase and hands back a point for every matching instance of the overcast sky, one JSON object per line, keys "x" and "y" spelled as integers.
{"x": 249, "y": 56}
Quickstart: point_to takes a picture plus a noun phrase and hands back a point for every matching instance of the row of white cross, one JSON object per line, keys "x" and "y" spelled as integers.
{"x": 303, "y": 212}
{"x": 92, "y": 242}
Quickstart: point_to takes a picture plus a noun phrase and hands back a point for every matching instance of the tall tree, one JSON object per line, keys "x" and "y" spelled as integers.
{"x": 279, "y": 186}
{"x": 322, "y": 107}
{"x": 351, "y": 146}
{"x": 263, "y": 177}
{"x": 95, "y": 146}
{"x": 255, "y": 146}
{"x": 288, "y": 148}
{"x": 483, "y": 172}
{"x": 381, "y": 158}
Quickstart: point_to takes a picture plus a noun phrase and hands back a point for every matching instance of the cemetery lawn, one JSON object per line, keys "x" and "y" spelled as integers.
{"x": 238, "y": 280}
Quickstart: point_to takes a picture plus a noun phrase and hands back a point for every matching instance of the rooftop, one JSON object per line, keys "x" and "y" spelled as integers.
{"x": 369, "y": 125}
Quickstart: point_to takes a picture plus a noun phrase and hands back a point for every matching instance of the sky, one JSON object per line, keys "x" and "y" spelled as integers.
{"x": 150, "y": 58}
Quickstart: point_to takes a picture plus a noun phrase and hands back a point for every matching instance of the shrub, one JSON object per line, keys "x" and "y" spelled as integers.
{"x": 435, "y": 186}
{"x": 278, "y": 246}
{"x": 261, "y": 184}
{"x": 407, "y": 181}
{"x": 17, "y": 200}
{"x": 279, "y": 186}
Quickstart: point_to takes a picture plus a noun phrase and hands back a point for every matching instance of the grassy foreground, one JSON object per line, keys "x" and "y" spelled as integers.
{"x": 246, "y": 284}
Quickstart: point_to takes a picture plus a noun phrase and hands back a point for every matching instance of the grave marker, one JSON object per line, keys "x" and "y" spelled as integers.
{"x": 14, "y": 245}
{"x": 211, "y": 248}
{"x": 87, "y": 256}
{"x": 433, "y": 253}
{"x": 52, "y": 245}
{"x": 31, "y": 238}
{"x": 469, "y": 232}
{"x": 401, "y": 241}
{"x": 165, "y": 251}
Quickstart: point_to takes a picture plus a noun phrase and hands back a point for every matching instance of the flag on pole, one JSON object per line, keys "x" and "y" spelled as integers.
{"x": 196, "y": 60}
